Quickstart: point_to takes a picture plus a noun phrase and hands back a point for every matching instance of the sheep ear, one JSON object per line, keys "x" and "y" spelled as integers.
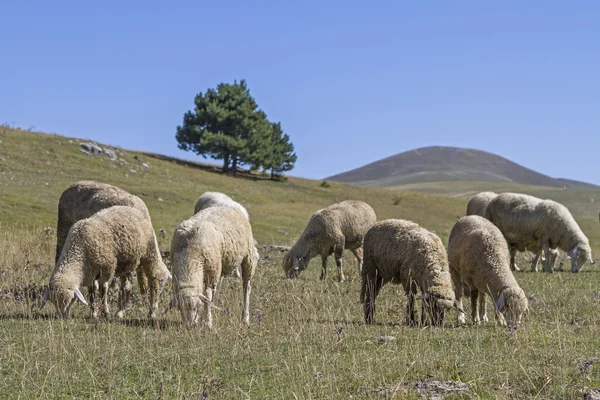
{"x": 458, "y": 307}
{"x": 79, "y": 296}
{"x": 207, "y": 301}
{"x": 45, "y": 297}
{"x": 573, "y": 252}
{"x": 500, "y": 302}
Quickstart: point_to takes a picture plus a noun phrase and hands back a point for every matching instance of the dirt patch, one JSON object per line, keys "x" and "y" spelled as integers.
{"x": 436, "y": 390}
{"x": 430, "y": 390}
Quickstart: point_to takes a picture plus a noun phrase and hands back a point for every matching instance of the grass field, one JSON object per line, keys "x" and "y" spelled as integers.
{"x": 306, "y": 339}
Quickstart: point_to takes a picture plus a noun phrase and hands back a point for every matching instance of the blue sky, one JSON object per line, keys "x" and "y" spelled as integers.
{"x": 351, "y": 82}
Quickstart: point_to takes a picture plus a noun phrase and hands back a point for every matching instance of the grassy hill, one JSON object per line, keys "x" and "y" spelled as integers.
{"x": 443, "y": 164}
{"x": 306, "y": 338}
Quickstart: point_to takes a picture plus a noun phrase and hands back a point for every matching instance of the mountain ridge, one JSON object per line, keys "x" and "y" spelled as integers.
{"x": 446, "y": 163}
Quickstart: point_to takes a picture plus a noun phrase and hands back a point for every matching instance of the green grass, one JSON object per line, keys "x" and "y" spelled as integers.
{"x": 294, "y": 347}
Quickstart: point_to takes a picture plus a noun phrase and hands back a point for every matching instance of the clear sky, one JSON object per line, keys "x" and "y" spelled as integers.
{"x": 351, "y": 82}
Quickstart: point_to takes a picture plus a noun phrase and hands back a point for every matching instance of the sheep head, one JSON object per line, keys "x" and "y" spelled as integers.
{"x": 293, "y": 265}
{"x": 437, "y": 301}
{"x": 62, "y": 298}
{"x": 513, "y": 304}
{"x": 579, "y": 255}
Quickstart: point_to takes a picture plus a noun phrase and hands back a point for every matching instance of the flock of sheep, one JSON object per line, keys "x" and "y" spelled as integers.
{"x": 105, "y": 232}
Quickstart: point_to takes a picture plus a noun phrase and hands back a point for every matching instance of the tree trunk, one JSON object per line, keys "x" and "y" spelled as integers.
{"x": 272, "y": 173}
{"x": 226, "y": 163}
{"x": 234, "y": 162}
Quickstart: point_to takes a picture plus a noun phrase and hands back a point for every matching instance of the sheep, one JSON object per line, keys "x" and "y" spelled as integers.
{"x": 83, "y": 199}
{"x": 112, "y": 242}
{"x": 329, "y": 231}
{"x": 205, "y": 247}
{"x": 211, "y": 199}
{"x": 402, "y": 252}
{"x": 216, "y": 199}
{"x": 529, "y": 222}
{"x": 478, "y": 203}
{"x": 480, "y": 262}
{"x": 477, "y": 206}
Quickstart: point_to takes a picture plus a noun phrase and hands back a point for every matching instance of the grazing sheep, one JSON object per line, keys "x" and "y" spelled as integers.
{"x": 402, "y": 252}
{"x": 529, "y": 222}
{"x": 204, "y": 248}
{"x": 82, "y": 200}
{"x": 479, "y": 261}
{"x": 112, "y": 242}
{"x": 331, "y": 230}
{"x": 218, "y": 199}
{"x": 212, "y": 199}
{"x": 478, "y": 203}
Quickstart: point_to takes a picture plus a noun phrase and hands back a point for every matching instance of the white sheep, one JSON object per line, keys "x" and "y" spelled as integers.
{"x": 204, "y": 248}
{"x": 83, "y": 199}
{"x": 212, "y": 199}
{"x": 480, "y": 262}
{"x": 402, "y": 252}
{"x": 529, "y": 222}
{"x": 329, "y": 231}
{"x": 478, "y": 205}
{"x": 218, "y": 199}
{"x": 112, "y": 242}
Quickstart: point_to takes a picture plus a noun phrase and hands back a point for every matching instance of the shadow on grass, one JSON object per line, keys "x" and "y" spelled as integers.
{"x": 208, "y": 168}
{"x": 23, "y": 316}
{"x": 146, "y": 323}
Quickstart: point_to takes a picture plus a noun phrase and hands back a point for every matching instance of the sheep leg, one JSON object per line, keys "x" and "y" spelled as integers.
{"x": 474, "y": 314}
{"x": 155, "y": 289}
{"x": 534, "y": 262}
{"x": 513, "y": 264}
{"x": 207, "y": 307}
{"x": 482, "y": 311}
{"x": 410, "y": 305}
{"x": 248, "y": 266}
{"x": 372, "y": 284}
{"x": 339, "y": 252}
{"x": 548, "y": 260}
{"x": 104, "y": 285}
{"x": 358, "y": 253}
{"x": 323, "y": 267}
{"x": 92, "y": 297}
{"x": 124, "y": 293}
{"x": 220, "y": 284}
{"x": 246, "y": 310}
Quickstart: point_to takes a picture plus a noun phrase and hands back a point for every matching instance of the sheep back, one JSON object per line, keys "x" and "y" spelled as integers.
{"x": 478, "y": 203}
{"x": 212, "y": 199}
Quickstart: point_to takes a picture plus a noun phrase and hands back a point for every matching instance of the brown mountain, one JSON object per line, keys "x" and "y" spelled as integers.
{"x": 444, "y": 164}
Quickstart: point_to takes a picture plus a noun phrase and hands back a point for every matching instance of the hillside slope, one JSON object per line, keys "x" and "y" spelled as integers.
{"x": 442, "y": 164}
{"x": 35, "y": 168}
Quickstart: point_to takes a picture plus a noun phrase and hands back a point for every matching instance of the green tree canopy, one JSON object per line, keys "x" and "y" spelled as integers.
{"x": 226, "y": 124}
{"x": 280, "y": 156}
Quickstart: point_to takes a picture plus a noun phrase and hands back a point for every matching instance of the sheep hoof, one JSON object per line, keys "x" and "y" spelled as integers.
{"x": 485, "y": 318}
{"x": 120, "y": 314}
